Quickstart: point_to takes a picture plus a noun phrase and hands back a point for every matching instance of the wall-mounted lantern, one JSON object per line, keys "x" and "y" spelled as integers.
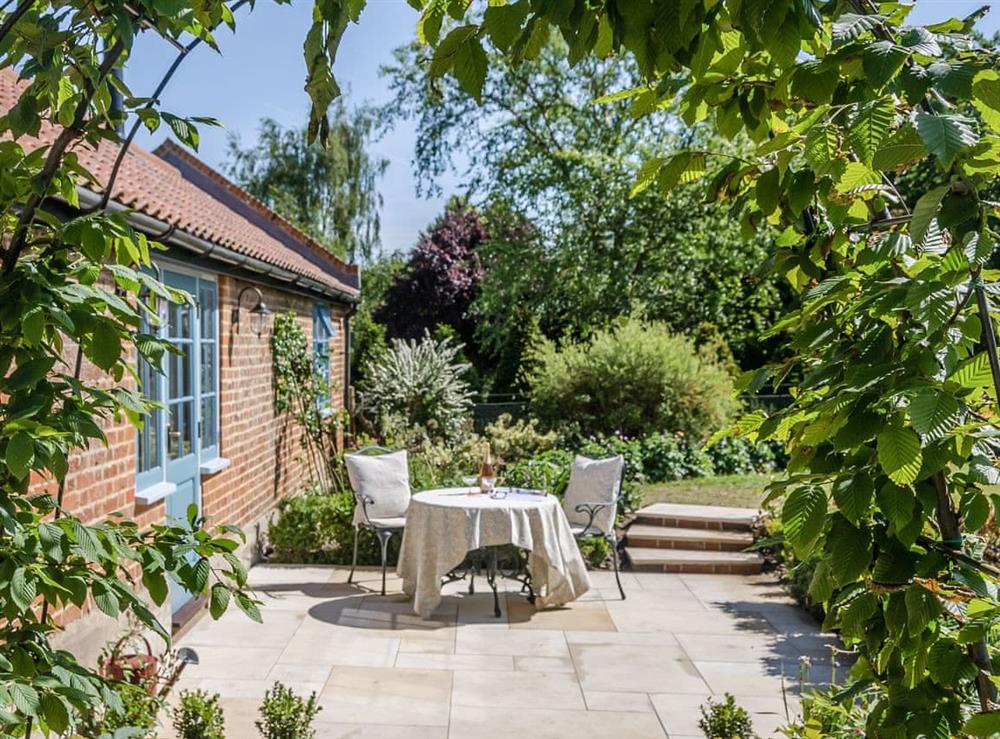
{"x": 259, "y": 313}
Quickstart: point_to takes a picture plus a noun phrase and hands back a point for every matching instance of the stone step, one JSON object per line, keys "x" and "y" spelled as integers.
{"x": 705, "y": 517}
{"x": 671, "y": 537}
{"x": 648, "y": 559}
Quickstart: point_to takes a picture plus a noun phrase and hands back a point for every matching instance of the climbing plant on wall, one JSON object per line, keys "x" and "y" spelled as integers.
{"x": 73, "y": 294}
{"x": 892, "y": 434}
{"x": 302, "y": 393}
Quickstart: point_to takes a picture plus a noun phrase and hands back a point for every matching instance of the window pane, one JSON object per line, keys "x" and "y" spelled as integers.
{"x": 206, "y": 302}
{"x": 180, "y": 373}
{"x": 149, "y": 448}
{"x": 180, "y": 432}
{"x": 207, "y": 367}
{"x": 208, "y": 425}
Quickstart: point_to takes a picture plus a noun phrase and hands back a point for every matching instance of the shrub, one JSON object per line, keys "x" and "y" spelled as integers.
{"x": 198, "y": 716}
{"x": 726, "y": 720}
{"x": 548, "y": 471}
{"x": 285, "y": 715}
{"x": 740, "y": 456}
{"x": 634, "y": 378}
{"x": 514, "y": 441}
{"x": 841, "y": 712}
{"x": 419, "y": 385}
{"x": 318, "y": 528}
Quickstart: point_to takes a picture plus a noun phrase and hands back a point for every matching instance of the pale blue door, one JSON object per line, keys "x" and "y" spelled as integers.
{"x": 181, "y": 413}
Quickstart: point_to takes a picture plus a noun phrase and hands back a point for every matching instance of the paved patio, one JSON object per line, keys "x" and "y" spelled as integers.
{"x": 637, "y": 669}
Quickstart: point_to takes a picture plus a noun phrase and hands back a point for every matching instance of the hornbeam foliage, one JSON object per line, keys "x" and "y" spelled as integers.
{"x": 892, "y": 436}
{"x": 74, "y": 290}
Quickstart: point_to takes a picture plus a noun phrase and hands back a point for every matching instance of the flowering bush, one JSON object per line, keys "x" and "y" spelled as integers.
{"x": 418, "y": 386}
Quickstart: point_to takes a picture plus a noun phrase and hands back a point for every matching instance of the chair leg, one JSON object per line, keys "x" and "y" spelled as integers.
{"x": 354, "y": 559}
{"x": 613, "y": 540}
{"x": 384, "y": 535}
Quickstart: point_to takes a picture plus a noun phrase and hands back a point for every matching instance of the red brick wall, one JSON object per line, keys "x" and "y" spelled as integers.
{"x": 263, "y": 449}
{"x": 266, "y": 458}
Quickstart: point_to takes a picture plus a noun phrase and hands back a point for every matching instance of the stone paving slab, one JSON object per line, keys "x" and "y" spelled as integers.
{"x": 633, "y": 669}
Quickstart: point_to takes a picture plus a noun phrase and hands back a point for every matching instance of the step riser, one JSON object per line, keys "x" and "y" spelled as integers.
{"x": 685, "y": 523}
{"x": 690, "y": 544}
{"x": 705, "y": 569}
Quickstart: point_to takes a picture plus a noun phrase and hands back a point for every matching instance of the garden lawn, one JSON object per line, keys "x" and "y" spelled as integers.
{"x": 737, "y": 491}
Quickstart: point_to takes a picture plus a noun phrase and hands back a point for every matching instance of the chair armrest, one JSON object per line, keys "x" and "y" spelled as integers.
{"x": 591, "y": 509}
{"x": 364, "y": 501}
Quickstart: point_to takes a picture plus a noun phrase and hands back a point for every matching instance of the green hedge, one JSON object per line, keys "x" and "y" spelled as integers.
{"x": 317, "y": 528}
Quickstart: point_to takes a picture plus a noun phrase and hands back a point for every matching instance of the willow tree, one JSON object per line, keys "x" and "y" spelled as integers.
{"x": 892, "y": 352}
{"x": 74, "y": 289}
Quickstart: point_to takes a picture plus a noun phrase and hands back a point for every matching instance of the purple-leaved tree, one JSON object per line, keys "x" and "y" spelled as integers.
{"x": 441, "y": 279}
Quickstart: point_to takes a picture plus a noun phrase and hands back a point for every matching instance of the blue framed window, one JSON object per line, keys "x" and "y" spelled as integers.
{"x": 323, "y": 335}
{"x": 187, "y": 385}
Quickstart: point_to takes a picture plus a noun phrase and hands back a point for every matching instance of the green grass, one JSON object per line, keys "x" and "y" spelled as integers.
{"x": 737, "y": 491}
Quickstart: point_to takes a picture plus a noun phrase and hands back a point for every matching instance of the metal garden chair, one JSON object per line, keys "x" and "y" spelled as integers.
{"x": 381, "y": 497}
{"x": 591, "y": 502}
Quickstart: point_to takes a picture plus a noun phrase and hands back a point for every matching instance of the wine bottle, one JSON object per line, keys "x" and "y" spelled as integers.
{"x": 487, "y": 477}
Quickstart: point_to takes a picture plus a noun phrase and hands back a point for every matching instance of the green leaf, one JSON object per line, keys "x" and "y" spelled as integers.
{"x": 219, "y": 600}
{"x": 946, "y": 136}
{"x": 857, "y": 175}
{"x": 850, "y": 550}
{"x": 853, "y": 497}
{"x": 901, "y": 148}
{"x": 24, "y": 697}
{"x": 899, "y": 454}
{"x": 823, "y": 150}
{"x": 28, "y": 374}
{"x": 105, "y": 599}
{"x": 802, "y": 518}
{"x": 22, "y": 589}
{"x": 647, "y": 175}
{"x": 882, "y": 61}
{"x": 986, "y": 97}
{"x": 768, "y": 190}
{"x": 983, "y": 725}
{"x": 503, "y": 23}
{"x": 850, "y": 26}
{"x": 105, "y": 345}
{"x": 469, "y": 67}
{"x": 870, "y": 128}
{"x": 949, "y": 664}
{"x": 54, "y": 712}
{"x": 933, "y": 413}
{"x": 925, "y": 211}
{"x": 247, "y": 605}
{"x": 974, "y": 372}
{"x": 20, "y": 454}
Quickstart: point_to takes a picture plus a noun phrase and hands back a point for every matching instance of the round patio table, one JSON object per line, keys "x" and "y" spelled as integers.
{"x": 443, "y": 526}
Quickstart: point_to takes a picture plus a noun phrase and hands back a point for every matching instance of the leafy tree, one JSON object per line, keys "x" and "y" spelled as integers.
{"x": 74, "y": 293}
{"x": 330, "y": 191}
{"x": 537, "y": 148}
{"x": 891, "y": 435}
{"x": 440, "y": 280}
{"x": 368, "y": 339}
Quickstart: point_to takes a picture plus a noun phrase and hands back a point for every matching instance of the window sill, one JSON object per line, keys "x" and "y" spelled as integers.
{"x": 154, "y": 493}
{"x": 213, "y": 466}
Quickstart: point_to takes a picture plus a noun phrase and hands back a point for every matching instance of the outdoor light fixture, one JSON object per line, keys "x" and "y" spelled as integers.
{"x": 258, "y": 314}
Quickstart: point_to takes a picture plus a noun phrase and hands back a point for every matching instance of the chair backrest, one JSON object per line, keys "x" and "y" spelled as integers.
{"x": 594, "y": 482}
{"x": 382, "y": 478}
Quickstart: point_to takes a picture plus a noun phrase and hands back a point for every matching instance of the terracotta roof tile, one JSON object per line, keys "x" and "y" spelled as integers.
{"x": 174, "y": 186}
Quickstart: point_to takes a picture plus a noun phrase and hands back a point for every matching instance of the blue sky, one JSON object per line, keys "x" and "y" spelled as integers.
{"x": 260, "y": 72}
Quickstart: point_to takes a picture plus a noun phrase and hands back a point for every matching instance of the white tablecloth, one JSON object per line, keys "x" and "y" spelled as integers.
{"x": 443, "y": 525}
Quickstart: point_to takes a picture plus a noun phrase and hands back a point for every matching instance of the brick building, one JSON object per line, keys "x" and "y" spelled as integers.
{"x": 217, "y": 442}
